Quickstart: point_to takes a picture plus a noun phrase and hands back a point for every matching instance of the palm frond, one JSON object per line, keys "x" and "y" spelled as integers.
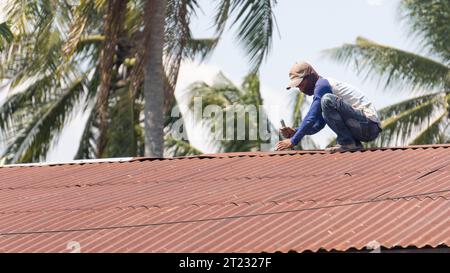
{"x": 429, "y": 21}
{"x": 398, "y": 129}
{"x": 176, "y": 147}
{"x": 35, "y": 31}
{"x": 82, "y": 14}
{"x": 255, "y": 29}
{"x": 88, "y": 142}
{"x": 211, "y": 95}
{"x": 6, "y": 36}
{"x": 405, "y": 105}
{"x": 15, "y": 108}
{"x": 222, "y": 93}
{"x": 397, "y": 68}
{"x": 42, "y": 59}
{"x": 221, "y": 16}
{"x": 236, "y": 101}
{"x": 180, "y": 44}
{"x": 88, "y": 49}
{"x": 200, "y": 48}
{"x": 433, "y": 133}
{"x": 29, "y": 16}
{"x": 34, "y": 142}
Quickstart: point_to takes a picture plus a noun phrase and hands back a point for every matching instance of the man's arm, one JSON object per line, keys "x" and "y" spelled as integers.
{"x": 313, "y": 121}
{"x": 307, "y": 124}
{"x": 320, "y": 123}
{"x": 288, "y": 132}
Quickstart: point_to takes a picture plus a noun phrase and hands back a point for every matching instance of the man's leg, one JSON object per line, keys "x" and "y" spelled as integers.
{"x": 332, "y": 109}
{"x": 350, "y": 124}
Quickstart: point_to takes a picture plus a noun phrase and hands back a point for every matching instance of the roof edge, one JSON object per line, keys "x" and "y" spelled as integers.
{"x": 217, "y": 155}
{"x": 71, "y": 162}
{"x": 294, "y": 152}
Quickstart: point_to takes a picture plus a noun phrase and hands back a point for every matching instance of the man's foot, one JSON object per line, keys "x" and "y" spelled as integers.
{"x": 345, "y": 148}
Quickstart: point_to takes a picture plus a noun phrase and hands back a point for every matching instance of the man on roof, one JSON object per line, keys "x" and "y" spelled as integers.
{"x": 339, "y": 105}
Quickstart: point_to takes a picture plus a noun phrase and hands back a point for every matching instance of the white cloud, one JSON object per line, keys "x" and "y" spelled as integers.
{"x": 191, "y": 72}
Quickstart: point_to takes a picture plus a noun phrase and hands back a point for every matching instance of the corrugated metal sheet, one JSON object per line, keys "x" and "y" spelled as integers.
{"x": 241, "y": 202}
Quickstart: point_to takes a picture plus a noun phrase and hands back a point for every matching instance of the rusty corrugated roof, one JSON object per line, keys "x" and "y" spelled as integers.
{"x": 240, "y": 202}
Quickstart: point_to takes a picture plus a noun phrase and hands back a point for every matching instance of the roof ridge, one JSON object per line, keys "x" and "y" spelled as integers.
{"x": 296, "y": 152}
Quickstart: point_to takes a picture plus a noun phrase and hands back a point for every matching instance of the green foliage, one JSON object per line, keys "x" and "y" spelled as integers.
{"x": 34, "y": 138}
{"x": 122, "y": 140}
{"x": 434, "y": 133}
{"x": 429, "y": 22}
{"x": 394, "y": 67}
{"x": 51, "y": 44}
{"x": 228, "y": 97}
{"x": 224, "y": 94}
{"x": 180, "y": 147}
{"x": 399, "y": 127}
{"x": 55, "y": 44}
{"x": 6, "y": 36}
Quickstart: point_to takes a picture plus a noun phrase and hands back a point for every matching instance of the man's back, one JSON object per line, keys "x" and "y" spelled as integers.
{"x": 354, "y": 97}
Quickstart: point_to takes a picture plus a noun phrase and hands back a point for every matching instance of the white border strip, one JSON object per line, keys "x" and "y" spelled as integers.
{"x": 81, "y": 161}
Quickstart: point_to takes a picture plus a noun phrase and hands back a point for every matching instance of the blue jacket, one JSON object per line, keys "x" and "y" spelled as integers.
{"x": 313, "y": 121}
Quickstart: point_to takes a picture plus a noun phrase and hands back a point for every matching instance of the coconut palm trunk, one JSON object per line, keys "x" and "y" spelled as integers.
{"x": 154, "y": 78}
{"x": 113, "y": 22}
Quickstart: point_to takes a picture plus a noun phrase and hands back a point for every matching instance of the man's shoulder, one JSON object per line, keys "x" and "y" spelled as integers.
{"x": 322, "y": 86}
{"x": 322, "y": 82}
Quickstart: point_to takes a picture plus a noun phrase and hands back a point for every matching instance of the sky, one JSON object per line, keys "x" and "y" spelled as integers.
{"x": 306, "y": 28}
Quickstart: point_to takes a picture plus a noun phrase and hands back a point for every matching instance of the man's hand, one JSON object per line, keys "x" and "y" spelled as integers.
{"x": 283, "y": 145}
{"x": 287, "y": 132}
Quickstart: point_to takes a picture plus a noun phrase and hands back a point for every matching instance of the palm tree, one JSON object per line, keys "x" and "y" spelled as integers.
{"x": 424, "y": 118}
{"x": 113, "y": 24}
{"x": 154, "y": 78}
{"x": 225, "y": 96}
{"x": 107, "y": 84}
{"x": 54, "y": 84}
{"x": 50, "y": 89}
{"x": 256, "y": 22}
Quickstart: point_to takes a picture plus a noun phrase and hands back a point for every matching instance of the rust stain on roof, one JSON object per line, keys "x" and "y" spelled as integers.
{"x": 239, "y": 202}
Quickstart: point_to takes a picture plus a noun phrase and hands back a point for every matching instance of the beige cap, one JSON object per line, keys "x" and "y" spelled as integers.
{"x": 298, "y": 71}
